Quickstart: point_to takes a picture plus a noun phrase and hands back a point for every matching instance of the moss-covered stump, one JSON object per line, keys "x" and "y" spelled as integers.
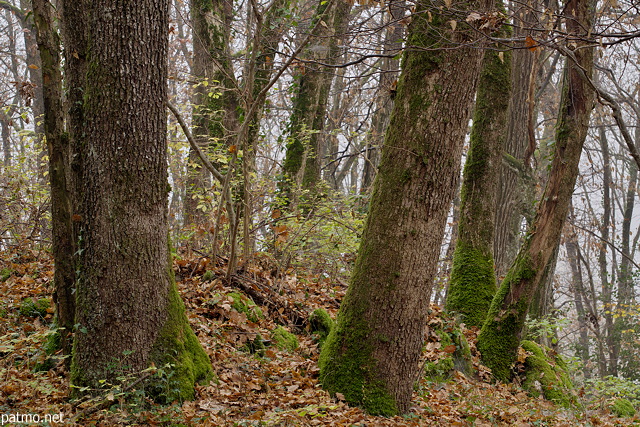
{"x": 244, "y": 304}
{"x": 284, "y": 339}
{"x": 320, "y": 324}
{"x": 451, "y": 351}
{"x": 623, "y": 408}
{"x": 546, "y": 374}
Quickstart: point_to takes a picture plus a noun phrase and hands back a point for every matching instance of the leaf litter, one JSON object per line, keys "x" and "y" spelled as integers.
{"x": 272, "y": 388}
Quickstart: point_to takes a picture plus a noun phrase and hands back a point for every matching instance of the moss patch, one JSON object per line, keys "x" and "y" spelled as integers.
{"x": 347, "y": 369}
{"x": 284, "y": 339}
{"x": 5, "y": 273}
{"x": 178, "y": 351}
{"x": 546, "y": 374}
{"x": 499, "y": 337}
{"x": 453, "y": 354}
{"x": 623, "y": 408}
{"x": 473, "y": 284}
{"x": 243, "y": 304}
{"x": 321, "y": 324}
{"x": 34, "y": 308}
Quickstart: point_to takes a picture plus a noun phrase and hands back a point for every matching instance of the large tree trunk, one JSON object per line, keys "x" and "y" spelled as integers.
{"x": 501, "y": 333}
{"x": 372, "y": 356}
{"x": 128, "y": 307}
{"x": 59, "y": 158}
{"x": 473, "y": 280}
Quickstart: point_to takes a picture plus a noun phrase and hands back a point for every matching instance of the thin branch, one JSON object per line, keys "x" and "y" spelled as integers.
{"x": 602, "y": 239}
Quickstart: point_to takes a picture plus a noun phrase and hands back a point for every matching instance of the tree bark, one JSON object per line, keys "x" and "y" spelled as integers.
{"x": 510, "y": 197}
{"x": 63, "y": 245}
{"x": 372, "y": 355}
{"x": 473, "y": 279}
{"x": 501, "y": 333}
{"x": 128, "y": 306}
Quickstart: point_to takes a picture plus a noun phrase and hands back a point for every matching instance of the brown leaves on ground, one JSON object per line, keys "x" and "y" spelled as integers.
{"x": 278, "y": 388}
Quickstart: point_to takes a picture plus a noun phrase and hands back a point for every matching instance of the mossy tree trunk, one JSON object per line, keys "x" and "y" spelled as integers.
{"x": 512, "y": 189}
{"x": 302, "y": 162}
{"x": 501, "y": 333}
{"x": 372, "y": 355}
{"x": 129, "y": 314}
{"x": 473, "y": 280}
{"x": 215, "y": 98}
{"x": 63, "y": 245}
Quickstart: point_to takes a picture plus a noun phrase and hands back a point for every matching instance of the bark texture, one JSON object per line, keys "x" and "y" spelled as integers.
{"x": 63, "y": 245}
{"x": 501, "y": 333}
{"x": 473, "y": 280}
{"x": 511, "y": 192}
{"x": 372, "y": 355}
{"x": 129, "y": 314}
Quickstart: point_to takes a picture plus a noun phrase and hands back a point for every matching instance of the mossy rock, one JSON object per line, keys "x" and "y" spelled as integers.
{"x": 284, "y": 339}
{"x": 547, "y": 374}
{"x": 34, "y": 308}
{"x": 5, "y": 273}
{"x": 623, "y": 408}
{"x": 321, "y": 324}
{"x": 243, "y": 304}
{"x": 208, "y": 276}
{"x": 457, "y": 360}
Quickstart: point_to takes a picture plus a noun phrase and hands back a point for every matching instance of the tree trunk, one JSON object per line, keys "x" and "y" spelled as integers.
{"x": 605, "y": 280}
{"x": 128, "y": 306}
{"x": 302, "y": 161}
{"x": 510, "y": 197}
{"x": 59, "y": 157}
{"x": 372, "y": 355}
{"x": 214, "y": 98}
{"x": 577, "y": 288}
{"x": 386, "y": 92}
{"x": 473, "y": 279}
{"x": 501, "y": 333}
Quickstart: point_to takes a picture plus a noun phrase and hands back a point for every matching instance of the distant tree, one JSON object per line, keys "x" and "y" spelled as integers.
{"x": 372, "y": 355}
{"x": 129, "y": 314}
{"x": 501, "y": 333}
{"x": 215, "y": 98}
{"x": 312, "y": 84}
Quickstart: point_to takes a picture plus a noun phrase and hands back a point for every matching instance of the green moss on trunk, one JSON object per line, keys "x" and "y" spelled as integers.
{"x": 473, "y": 282}
{"x": 178, "y": 349}
{"x": 500, "y": 335}
{"x": 547, "y": 374}
{"x": 350, "y": 372}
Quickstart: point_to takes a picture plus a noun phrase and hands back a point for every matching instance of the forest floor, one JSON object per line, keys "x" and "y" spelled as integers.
{"x": 277, "y": 388}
